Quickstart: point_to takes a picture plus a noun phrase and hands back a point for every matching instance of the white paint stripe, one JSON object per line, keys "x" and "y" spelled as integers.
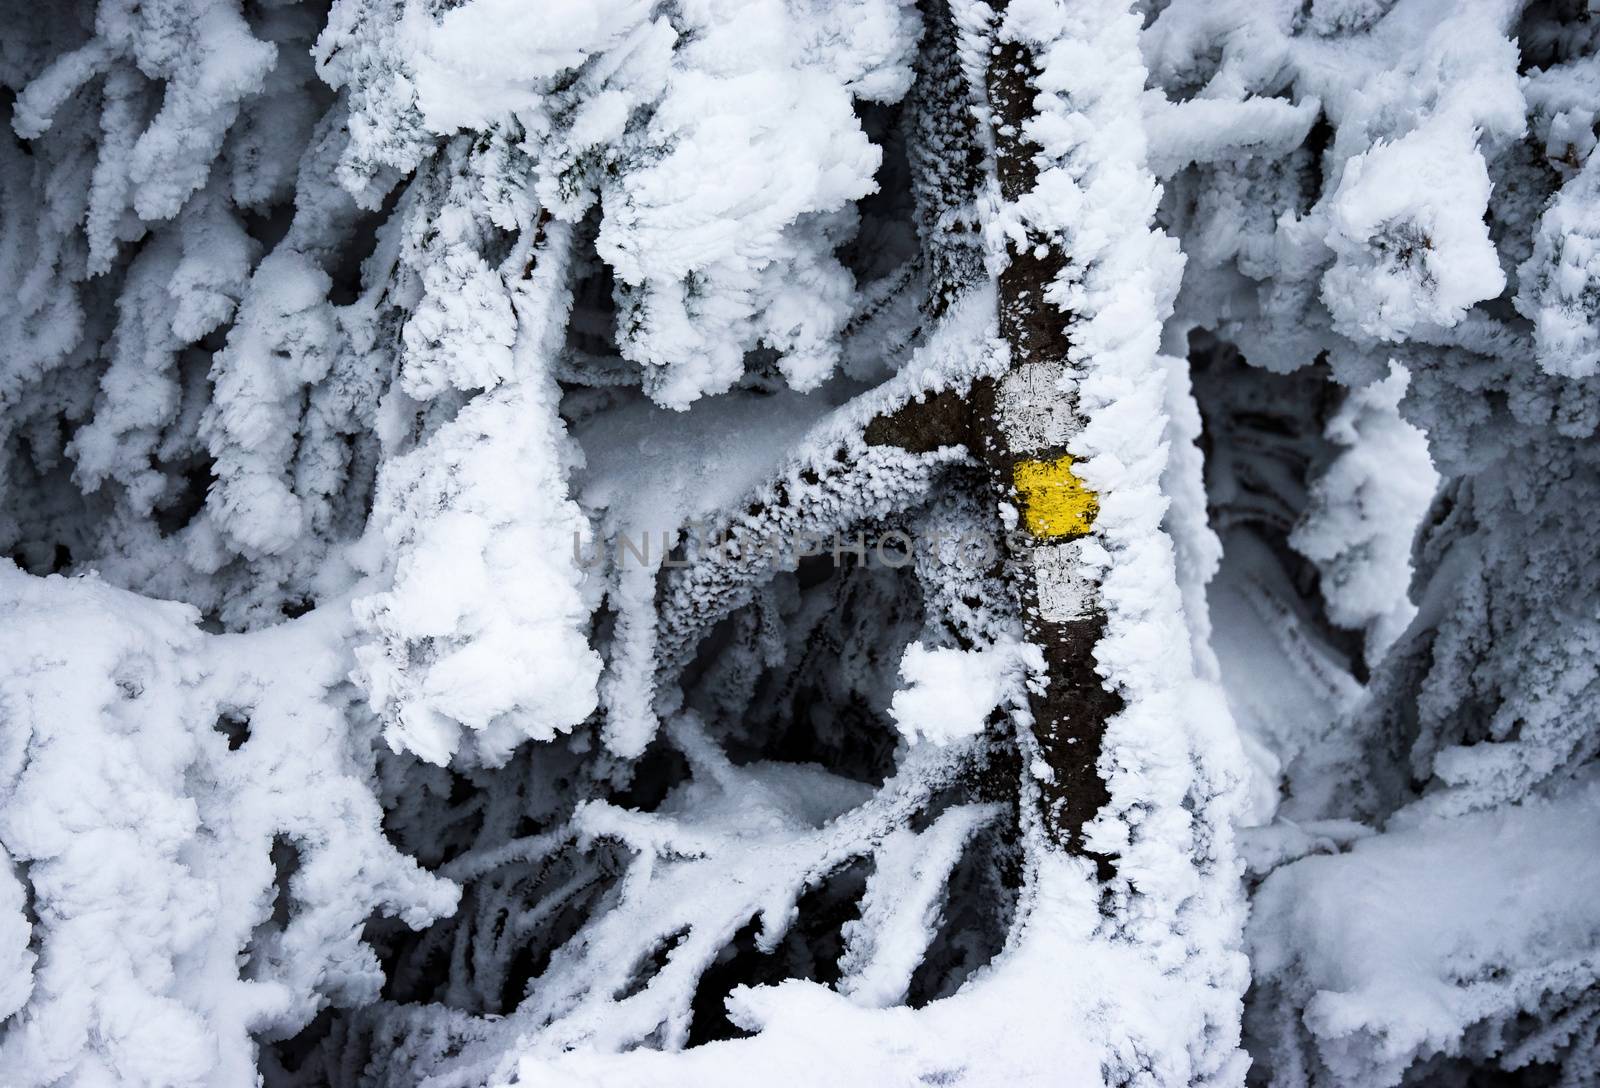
{"x": 1036, "y": 411}
{"x": 1065, "y": 593}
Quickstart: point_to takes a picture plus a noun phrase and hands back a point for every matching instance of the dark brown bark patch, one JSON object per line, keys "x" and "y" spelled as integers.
{"x": 923, "y": 426}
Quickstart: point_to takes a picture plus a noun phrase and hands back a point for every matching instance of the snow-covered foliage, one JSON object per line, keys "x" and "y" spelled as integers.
{"x": 514, "y": 568}
{"x": 1414, "y": 252}
{"x": 195, "y": 820}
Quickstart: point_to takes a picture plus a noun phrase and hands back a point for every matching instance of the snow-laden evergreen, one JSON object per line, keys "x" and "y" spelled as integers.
{"x": 521, "y": 570}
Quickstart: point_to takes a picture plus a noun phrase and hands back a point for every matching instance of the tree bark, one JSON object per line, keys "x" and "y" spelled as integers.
{"x": 1020, "y": 425}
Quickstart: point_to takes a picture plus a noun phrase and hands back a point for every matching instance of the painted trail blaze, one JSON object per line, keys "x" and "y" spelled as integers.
{"x": 1054, "y": 501}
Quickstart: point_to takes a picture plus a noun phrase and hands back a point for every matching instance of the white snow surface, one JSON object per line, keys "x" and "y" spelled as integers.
{"x": 147, "y": 840}
{"x": 1395, "y": 948}
{"x": 949, "y": 693}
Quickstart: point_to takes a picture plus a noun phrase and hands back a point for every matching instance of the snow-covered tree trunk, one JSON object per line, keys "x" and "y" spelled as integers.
{"x": 1026, "y": 421}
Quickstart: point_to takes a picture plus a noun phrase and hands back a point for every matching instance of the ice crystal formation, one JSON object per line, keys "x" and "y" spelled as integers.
{"x": 777, "y": 542}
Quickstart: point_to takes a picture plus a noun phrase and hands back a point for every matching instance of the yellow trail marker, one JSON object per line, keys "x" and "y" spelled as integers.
{"x": 1054, "y": 501}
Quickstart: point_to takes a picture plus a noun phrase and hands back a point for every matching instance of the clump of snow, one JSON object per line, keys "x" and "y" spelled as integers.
{"x": 481, "y": 635}
{"x": 1364, "y": 512}
{"x": 283, "y": 342}
{"x": 1408, "y": 237}
{"x": 1560, "y": 282}
{"x": 950, "y": 693}
{"x": 722, "y": 146}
